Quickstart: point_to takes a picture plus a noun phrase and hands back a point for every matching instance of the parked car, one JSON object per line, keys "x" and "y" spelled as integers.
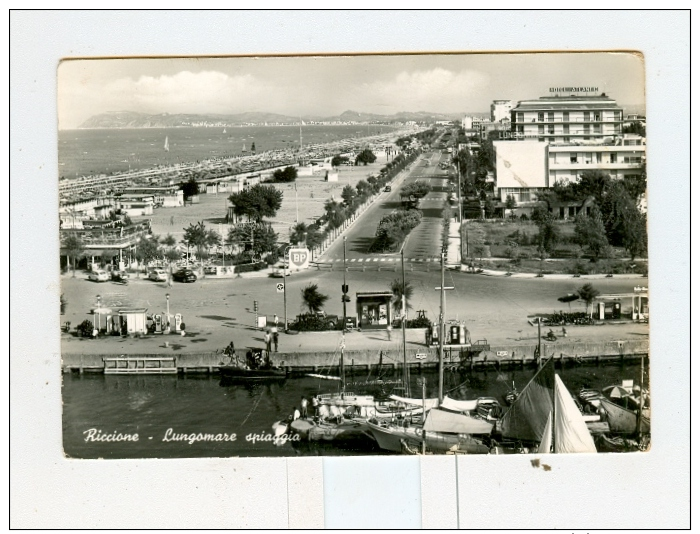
{"x": 184, "y": 275}
{"x": 98, "y": 276}
{"x": 120, "y": 277}
{"x": 158, "y": 275}
{"x": 387, "y": 188}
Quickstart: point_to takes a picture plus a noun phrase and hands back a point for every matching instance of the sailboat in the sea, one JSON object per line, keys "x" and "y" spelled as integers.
{"x": 224, "y": 130}
{"x": 167, "y": 146}
{"x": 243, "y": 149}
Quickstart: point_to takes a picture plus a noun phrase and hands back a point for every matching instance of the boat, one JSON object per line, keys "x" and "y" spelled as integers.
{"x": 257, "y": 367}
{"x": 234, "y": 372}
{"x": 167, "y": 146}
{"x": 546, "y": 416}
{"x": 442, "y": 432}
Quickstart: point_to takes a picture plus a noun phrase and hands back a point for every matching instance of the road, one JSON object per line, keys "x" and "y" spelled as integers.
{"x": 218, "y": 311}
{"x": 423, "y": 243}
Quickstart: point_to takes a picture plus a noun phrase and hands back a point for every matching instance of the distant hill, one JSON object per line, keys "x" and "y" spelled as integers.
{"x": 130, "y": 119}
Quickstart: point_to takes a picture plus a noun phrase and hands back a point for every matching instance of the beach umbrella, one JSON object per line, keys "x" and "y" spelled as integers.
{"x": 568, "y": 299}
{"x": 616, "y": 392}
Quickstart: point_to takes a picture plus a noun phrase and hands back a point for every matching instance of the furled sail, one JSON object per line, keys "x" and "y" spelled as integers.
{"x": 455, "y": 423}
{"x": 527, "y": 417}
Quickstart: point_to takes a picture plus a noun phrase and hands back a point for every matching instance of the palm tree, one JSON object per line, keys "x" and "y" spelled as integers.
{"x": 74, "y": 248}
{"x": 298, "y": 233}
{"x": 313, "y": 300}
{"x": 588, "y": 293}
{"x": 399, "y": 293}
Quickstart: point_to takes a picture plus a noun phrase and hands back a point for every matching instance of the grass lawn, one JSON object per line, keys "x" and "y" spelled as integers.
{"x": 511, "y": 246}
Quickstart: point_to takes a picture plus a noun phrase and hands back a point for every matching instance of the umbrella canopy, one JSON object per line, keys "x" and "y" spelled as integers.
{"x": 616, "y": 392}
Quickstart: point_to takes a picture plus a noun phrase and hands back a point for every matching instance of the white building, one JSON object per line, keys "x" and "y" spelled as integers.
{"x": 566, "y": 119}
{"x": 524, "y": 168}
{"x": 500, "y": 110}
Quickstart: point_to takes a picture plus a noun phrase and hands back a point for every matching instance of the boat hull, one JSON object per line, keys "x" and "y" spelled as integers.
{"x": 230, "y": 372}
{"x": 399, "y": 439}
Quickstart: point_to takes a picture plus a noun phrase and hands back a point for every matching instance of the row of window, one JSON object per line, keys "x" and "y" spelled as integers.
{"x": 588, "y": 116}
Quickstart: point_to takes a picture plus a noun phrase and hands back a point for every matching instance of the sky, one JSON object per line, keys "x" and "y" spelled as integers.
{"x": 328, "y": 85}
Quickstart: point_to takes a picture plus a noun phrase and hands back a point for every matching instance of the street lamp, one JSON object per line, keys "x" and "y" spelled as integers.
{"x": 345, "y": 319}
{"x": 284, "y": 277}
{"x": 167, "y": 312}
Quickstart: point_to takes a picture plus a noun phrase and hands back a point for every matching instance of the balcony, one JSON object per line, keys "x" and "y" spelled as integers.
{"x": 581, "y": 165}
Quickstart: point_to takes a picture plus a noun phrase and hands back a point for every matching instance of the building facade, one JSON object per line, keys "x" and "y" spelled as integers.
{"x": 567, "y": 119}
{"x": 500, "y": 110}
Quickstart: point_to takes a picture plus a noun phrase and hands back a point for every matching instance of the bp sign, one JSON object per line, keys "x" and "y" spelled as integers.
{"x": 298, "y": 258}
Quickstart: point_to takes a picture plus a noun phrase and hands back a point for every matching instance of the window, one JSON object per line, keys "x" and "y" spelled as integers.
{"x": 550, "y": 116}
{"x": 540, "y": 139}
{"x": 586, "y": 116}
{"x": 598, "y": 157}
{"x": 566, "y": 116}
{"x": 586, "y": 129}
{"x": 573, "y": 158}
{"x": 588, "y": 157}
{"x": 520, "y": 117}
{"x": 550, "y": 129}
{"x": 566, "y": 128}
{"x": 613, "y": 157}
{"x": 540, "y": 116}
{"x": 540, "y": 129}
{"x": 597, "y": 128}
{"x": 567, "y": 139}
{"x": 596, "y": 116}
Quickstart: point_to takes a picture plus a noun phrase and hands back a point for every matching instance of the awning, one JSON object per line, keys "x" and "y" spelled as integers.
{"x": 441, "y": 421}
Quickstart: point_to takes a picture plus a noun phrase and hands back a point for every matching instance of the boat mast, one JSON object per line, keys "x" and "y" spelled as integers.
{"x": 406, "y": 382}
{"x": 442, "y": 325}
{"x": 342, "y": 366}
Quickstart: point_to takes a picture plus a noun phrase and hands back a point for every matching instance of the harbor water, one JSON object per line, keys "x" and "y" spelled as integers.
{"x": 170, "y": 414}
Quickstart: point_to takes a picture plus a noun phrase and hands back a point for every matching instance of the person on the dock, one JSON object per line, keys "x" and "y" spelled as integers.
{"x": 304, "y": 408}
{"x": 268, "y": 340}
{"x": 275, "y": 337}
{"x": 275, "y": 320}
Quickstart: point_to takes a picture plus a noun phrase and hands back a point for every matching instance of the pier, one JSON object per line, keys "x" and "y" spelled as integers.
{"x": 297, "y": 363}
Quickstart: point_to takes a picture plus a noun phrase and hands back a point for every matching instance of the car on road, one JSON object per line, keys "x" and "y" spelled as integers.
{"x": 98, "y": 276}
{"x": 158, "y": 275}
{"x": 184, "y": 275}
{"x": 387, "y": 188}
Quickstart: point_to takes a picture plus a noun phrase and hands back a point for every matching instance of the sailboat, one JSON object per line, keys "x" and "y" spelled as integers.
{"x": 545, "y": 413}
{"x": 167, "y": 146}
{"x": 224, "y": 130}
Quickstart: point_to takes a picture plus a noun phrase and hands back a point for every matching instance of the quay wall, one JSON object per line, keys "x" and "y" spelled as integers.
{"x": 497, "y": 356}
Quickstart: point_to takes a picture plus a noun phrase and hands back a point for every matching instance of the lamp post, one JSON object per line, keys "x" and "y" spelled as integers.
{"x": 345, "y": 320}
{"x": 167, "y": 312}
{"x": 97, "y": 315}
{"x": 284, "y": 277}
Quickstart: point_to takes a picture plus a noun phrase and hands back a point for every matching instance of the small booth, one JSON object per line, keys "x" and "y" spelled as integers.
{"x": 132, "y": 321}
{"x": 374, "y": 309}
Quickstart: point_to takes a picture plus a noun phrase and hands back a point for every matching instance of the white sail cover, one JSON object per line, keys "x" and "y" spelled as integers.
{"x": 429, "y": 403}
{"x": 570, "y": 431}
{"x": 546, "y": 443}
{"x": 459, "y": 406}
{"x": 455, "y": 423}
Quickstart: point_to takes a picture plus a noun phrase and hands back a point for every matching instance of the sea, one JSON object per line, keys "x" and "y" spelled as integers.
{"x": 160, "y": 407}
{"x": 106, "y": 151}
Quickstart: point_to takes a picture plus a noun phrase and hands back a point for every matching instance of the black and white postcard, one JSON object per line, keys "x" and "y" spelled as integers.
{"x": 439, "y": 254}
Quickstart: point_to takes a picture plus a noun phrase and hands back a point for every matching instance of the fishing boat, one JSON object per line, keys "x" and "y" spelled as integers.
{"x": 258, "y": 367}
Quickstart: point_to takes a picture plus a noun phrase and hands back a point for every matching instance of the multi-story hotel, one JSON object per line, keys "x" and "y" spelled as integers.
{"x": 567, "y": 119}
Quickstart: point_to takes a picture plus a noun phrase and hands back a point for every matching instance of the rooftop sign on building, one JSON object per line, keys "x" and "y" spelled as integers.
{"x": 569, "y": 90}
